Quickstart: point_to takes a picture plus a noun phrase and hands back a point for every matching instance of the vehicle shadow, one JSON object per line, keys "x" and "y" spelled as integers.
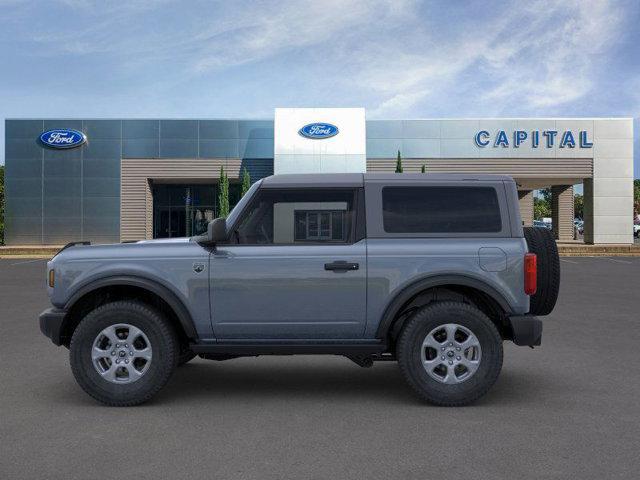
{"x": 383, "y": 383}
{"x": 254, "y": 380}
{"x": 251, "y": 378}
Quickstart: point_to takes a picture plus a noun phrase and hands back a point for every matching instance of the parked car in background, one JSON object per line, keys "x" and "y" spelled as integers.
{"x": 542, "y": 224}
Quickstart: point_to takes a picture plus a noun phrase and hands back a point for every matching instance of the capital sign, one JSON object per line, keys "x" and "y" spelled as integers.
{"x": 536, "y": 138}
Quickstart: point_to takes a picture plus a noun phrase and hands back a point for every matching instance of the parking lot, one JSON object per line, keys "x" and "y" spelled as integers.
{"x": 569, "y": 409}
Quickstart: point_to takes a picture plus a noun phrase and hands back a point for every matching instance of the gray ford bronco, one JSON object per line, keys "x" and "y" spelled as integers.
{"x": 434, "y": 271}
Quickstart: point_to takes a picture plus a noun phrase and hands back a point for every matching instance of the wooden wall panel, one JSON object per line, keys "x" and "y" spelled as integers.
{"x": 137, "y": 175}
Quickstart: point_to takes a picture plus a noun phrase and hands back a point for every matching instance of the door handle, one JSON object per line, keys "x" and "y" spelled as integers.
{"x": 341, "y": 266}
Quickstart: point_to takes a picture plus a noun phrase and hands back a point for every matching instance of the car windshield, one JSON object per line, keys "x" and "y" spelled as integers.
{"x": 233, "y": 215}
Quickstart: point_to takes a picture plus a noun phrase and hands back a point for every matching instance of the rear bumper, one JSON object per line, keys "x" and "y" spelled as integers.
{"x": 51, "y": 324}
{"x": 526, "y": 330}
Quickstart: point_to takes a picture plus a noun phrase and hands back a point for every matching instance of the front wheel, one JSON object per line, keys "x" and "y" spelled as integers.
{"x": 123, "y": 353}
{"x": 450, "y": 353}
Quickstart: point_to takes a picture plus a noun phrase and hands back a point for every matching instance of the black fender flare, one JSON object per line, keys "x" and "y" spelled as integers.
{"x": 414, "y": 288}
{"x": 181, "y": 311}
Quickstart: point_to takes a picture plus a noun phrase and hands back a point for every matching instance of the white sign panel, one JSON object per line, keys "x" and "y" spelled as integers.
{"x": 320, "y": 140}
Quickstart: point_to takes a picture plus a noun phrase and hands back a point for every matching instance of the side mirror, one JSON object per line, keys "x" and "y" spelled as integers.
{"x": 217, "y": 230}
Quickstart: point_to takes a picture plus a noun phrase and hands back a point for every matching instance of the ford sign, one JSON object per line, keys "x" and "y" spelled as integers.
{"x": 62, "y": 138}
{"x": 318, "y": 130}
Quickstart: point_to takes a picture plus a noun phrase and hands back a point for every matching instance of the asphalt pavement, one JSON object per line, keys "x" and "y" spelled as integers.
{"x": 569, "y": 409}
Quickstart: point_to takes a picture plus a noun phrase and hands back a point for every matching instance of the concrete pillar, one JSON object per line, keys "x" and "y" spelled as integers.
{"x": 612, "y": 193}
{"x": 526, "y": 206}
{"x": 588, "y": 210}
{"x": 562, "y": 211}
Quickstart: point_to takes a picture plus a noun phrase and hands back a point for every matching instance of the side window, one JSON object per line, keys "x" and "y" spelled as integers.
{"x": 436, "y": 209}
{"x": 295, "y": 216}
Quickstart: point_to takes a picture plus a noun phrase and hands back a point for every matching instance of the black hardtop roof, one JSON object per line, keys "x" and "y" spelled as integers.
{"x": 358, "y": 179}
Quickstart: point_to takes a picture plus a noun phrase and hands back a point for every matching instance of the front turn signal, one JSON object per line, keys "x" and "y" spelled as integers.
{"x": 52, "y": 277}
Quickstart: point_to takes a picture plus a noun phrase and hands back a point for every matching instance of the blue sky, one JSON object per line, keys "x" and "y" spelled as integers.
{"x": 399, "y": 58}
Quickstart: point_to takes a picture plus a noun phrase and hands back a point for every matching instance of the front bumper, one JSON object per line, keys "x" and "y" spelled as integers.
{"x": 526, "y": 330}
{"x": 51, "y": 321}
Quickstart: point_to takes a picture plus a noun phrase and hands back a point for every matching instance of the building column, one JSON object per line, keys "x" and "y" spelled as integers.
{"x": 588, "y": 209}
{"x": 562, "y": 212}
{"x": 526, "y": 206}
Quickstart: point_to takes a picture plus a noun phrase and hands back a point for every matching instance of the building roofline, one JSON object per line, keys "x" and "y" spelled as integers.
{"x": 235, "y": 119}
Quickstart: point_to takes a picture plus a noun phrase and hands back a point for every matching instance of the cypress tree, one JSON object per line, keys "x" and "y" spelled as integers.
{"x": 424, "y": 168}
{"x": 223, "y": 194}
{"x": 246, "y": 181}
{"x": 399, "y": 163}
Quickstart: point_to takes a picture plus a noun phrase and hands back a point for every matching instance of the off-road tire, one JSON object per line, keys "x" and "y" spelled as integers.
{"x": 164, "y": 346}
{"x": 541, "y": 242}
{"x": 409, "y": 345}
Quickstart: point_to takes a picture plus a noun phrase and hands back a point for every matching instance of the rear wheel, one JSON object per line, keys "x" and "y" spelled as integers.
{"x": 123, "y": 353}
{"x": 450, "y": 353}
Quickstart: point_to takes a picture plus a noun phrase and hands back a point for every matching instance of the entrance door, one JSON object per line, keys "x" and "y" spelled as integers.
{"x": 170, "y": 222}
{"x": 182, "y": 210}
{"x": 294, "y": 268}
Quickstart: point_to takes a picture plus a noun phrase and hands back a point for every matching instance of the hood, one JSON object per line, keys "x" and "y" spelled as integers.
{"x": 114, "y": 250}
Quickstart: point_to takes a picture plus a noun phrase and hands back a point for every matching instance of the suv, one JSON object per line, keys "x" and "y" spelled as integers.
{"x": 434, "y": 271}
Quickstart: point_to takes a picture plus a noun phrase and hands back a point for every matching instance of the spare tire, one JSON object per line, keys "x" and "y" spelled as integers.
{"x": 541, "y": 242}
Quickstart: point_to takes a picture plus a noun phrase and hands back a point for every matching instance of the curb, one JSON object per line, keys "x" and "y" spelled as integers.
{"x": 600, "y": 254}
{"x": 26, "y": 257}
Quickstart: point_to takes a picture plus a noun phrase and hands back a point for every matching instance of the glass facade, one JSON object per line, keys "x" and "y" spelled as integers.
{"x": 414, "y": 138}
{"x": 57, "y": 196}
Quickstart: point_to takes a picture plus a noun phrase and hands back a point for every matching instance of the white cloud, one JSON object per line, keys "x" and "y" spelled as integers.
{"x": 532, "y": 59}
{"x": 316, "y": 26}
{"x": 551, "y": 53}
{"x": 394, "y": 55}
{"x": 398, "y": 103}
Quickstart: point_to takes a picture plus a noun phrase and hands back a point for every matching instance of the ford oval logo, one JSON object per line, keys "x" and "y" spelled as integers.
{"x": 318, "y": 130}
{"x": 62, "y": 138}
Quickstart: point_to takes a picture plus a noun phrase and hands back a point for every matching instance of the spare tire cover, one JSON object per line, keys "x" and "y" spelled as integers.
{"x": 541, "y": 242}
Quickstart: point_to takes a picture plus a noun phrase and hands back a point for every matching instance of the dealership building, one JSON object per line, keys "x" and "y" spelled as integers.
{"x": 129, "y": 179}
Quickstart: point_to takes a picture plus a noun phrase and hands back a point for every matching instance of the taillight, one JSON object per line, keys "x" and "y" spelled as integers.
{"x": 530, "y": 273}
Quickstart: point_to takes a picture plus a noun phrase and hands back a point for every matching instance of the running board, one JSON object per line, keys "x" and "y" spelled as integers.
{"x": 285, "y": 347}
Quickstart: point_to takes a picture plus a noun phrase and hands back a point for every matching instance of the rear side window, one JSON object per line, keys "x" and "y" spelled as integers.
{"x": 441, "y": 210}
